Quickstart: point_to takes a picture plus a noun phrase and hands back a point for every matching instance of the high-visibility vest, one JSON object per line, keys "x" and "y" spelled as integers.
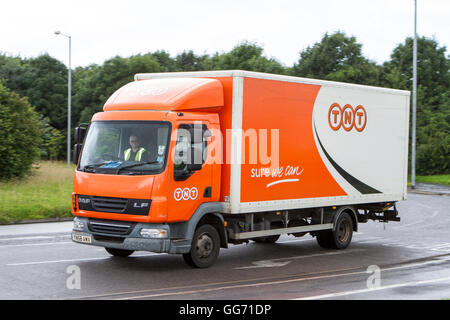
{"x": 127, "y": 154}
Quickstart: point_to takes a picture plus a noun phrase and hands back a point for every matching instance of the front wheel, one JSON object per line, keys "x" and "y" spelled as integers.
{"x": 205, "y": 247}
{"x": 340, "y": 237}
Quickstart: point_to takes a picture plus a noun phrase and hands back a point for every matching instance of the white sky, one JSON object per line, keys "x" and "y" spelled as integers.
{"x": 101, "y": 29}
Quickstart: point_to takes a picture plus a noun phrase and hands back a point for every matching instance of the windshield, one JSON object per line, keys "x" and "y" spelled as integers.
{"x": 125, "y": 147}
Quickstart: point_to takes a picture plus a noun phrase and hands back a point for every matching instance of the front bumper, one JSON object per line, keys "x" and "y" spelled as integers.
{"x": 132, "y": 240}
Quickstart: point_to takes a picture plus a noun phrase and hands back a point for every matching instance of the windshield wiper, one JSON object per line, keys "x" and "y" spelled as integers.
{"x": 136, "y": 165}
{"x": 91, "y": 167}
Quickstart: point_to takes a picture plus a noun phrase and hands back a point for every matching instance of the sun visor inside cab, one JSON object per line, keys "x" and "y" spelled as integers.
{"x": 174, "y": 94}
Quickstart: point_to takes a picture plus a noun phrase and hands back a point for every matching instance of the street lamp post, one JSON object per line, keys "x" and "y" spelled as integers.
{"x": 69, "y": 95}
{"x": 414, "y": 102}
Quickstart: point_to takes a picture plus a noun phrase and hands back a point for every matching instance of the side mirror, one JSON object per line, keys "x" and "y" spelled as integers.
{"x": 76, "y": 152}
{"x": 80, "y": 133}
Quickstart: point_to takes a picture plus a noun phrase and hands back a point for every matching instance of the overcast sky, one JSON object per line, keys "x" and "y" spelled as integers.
{"x": 102, "y": 29}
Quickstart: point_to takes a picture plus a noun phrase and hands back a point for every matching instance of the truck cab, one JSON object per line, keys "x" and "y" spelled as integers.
{"x": 144, "y": 202}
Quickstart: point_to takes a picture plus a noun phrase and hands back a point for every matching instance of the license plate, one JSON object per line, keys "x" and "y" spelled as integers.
{"x": 81, "y": 237}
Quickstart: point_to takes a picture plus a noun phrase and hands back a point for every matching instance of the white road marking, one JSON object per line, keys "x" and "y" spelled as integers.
{"x": 227, "y": 284}
{"x": 424, "y": 205}
{"x": 295, "y": 240}
{"x": 258, "y": 284}
{"x": 34, "y": 244}
{"x": 372, "y": 240}
{"x": 53, "y": 261}
{"x": 281, "y": 262}
{"x": 440, "y": 246}
{"x": 266, "y": 264}
{"x": 346, "y": 293}
{"x": 393, "y": 243}
{"x": 73, "y": 260}
{"x": 443, "y": 248}
{"x": 435, "y": 213}
{"x": 233, "y": 287}
{"x": 27, "y": 238}
{"x": 409, "y": 224}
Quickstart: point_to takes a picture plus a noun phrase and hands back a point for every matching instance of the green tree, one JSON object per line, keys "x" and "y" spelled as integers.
{"x": 189, "y": 61}
{"x": 11, "y": 72}
{"x": 247, "y": 56}
{"x": 432, "y": 69}
{"x": 45, "y": 85}
{"x": 43, "y": 80}
{"x": 101, "y": 81}
{"x": 53, "y": 141}
{"x": 20, "y": 134}
{"x": 337, "y": 57}
{"x": 433, "y": 99}
{"x": 166, "y": 63}
{"x": 83, "y": 91}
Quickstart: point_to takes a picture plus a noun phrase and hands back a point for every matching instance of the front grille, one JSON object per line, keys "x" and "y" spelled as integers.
{"x": 116, "y": 228}
{"x": 138, "y": 207}
{"x": 104, "y": 204}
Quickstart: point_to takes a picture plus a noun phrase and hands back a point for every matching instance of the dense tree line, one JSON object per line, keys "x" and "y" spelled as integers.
{"x": 20, "y": 134}
{"x": 337, "y": 57}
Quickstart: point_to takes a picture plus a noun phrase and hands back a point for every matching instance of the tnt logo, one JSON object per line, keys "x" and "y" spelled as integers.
{"x": 185, "y": 194}
{"x": 347, "y": 117}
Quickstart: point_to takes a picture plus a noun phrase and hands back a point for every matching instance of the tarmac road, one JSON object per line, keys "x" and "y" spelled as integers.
{"x": 399, "y": 260}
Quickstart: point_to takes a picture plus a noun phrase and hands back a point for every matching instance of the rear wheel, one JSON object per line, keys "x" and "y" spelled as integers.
{"x": 324, "y": 239}
{"x": 119, "y": 252}
{"x": 340, "y": 237}
{"x": 205, "y": 247}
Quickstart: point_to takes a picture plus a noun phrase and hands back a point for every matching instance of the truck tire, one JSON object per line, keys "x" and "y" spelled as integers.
{"x": 119, "y": 252}
{"x": 340, "y": 237}
{"x": 205, "y": 247}
{"x": 324, "y": 239}
{"x": 268, "y": 239}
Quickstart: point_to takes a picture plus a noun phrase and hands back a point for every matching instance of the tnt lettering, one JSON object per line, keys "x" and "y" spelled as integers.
{"x": 347, "y": 117}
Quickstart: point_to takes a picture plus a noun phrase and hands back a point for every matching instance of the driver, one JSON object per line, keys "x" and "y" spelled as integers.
{"x": 136, "y": 152}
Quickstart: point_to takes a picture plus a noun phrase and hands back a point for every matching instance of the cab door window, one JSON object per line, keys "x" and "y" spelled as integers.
{"x": 190, "y": 150}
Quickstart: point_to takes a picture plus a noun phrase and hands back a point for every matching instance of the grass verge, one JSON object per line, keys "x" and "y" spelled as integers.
{"x": 45, "y": 194}
{"x": 439, "y": 179}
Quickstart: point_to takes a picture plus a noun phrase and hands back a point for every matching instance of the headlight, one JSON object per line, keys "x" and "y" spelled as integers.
{"x": 78, "y": 224}
{"x": 153, "y": 233}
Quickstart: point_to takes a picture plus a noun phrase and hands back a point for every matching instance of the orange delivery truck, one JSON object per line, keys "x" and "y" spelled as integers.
{"x": 190, "y": 162}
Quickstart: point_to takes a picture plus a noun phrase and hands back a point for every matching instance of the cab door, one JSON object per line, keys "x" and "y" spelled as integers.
{"x": 190, "y": 176}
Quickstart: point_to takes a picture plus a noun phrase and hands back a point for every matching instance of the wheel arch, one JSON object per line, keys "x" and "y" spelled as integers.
{"x": 353, "y": 215}
{"x": 216, "y": 220}
{"x": 206, "y": 213}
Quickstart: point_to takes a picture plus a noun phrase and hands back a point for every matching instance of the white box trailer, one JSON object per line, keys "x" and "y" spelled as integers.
{"x": 348, "y": 142}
